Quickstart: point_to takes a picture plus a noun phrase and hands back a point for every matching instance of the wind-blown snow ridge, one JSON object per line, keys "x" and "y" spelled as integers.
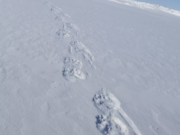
{"x": 147, "y": 5}
{"x": 113, "y": 120}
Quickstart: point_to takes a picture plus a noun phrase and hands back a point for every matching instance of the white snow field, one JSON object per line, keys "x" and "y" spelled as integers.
{"x": 89, "y": 67}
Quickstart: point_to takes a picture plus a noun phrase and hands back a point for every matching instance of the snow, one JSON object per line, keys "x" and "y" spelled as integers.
{"x": 147, "y": 6}
{"x": 114, "y": 120}
{"x": 72, "y": 69}
{"x": 89, "y": 67}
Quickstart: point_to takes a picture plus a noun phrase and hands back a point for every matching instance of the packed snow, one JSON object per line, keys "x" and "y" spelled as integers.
{"x": 89, "y": 67}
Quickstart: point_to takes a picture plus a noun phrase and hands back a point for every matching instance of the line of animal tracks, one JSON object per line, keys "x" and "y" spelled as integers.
{"x": 69, "y": 32}
{"x": 112, "y": 120}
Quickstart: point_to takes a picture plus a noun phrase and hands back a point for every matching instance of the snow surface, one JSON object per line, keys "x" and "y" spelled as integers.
{"x": 88, "y": 67}
{"x": 147, "y": 6}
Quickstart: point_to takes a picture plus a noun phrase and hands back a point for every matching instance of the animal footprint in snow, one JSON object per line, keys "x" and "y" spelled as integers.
{"x": 53, "y": 8}
{"x": 56, "y": 10}
{"x": 67, "y": 30}
{"x": 103, "y": 125}
{"x": 72, "y": 74}
{"x": 81, "y": 48}
{"x": 72, "y": 69}
{"x": 72, "y": 28}
{"x": 72, "y": 62}
{"x": 108, "y": 125}
{"x": 62, "y": 17}
{"x": 62, "y": 33}
{"x": 105, "y": 102}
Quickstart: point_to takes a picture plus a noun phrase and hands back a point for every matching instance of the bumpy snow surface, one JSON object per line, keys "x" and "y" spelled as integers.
{"x": 89, "y": 67}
